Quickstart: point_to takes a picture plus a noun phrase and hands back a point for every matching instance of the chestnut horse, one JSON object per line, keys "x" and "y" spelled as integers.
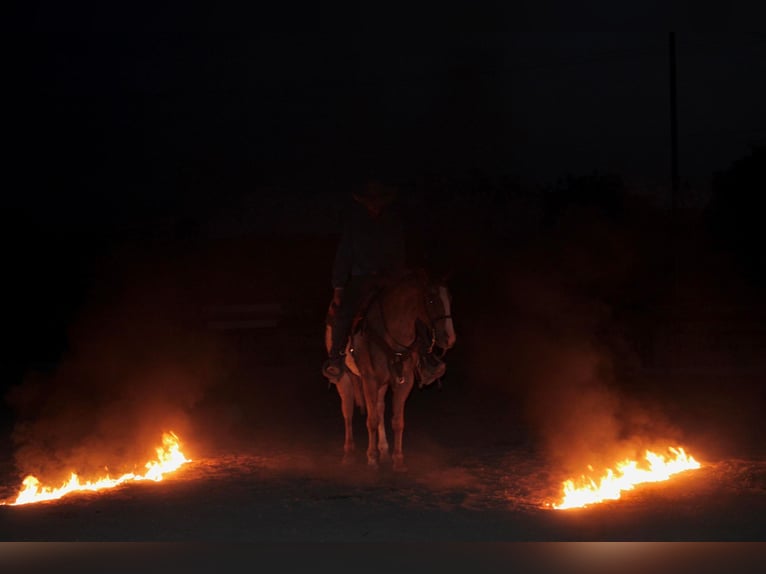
{"x": 382, "y": 356}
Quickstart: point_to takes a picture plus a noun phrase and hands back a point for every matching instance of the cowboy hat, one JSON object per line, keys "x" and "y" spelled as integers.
{"x": 375, "y": 194}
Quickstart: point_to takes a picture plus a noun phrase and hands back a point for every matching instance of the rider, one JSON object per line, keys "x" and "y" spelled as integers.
{"x": 372, "y": 246}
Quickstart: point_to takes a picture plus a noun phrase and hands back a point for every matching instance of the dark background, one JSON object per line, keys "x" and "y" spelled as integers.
{"x": 175, "y": 175}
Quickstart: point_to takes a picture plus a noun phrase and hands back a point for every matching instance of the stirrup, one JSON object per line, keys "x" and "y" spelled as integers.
{"x": 431, "y": 369}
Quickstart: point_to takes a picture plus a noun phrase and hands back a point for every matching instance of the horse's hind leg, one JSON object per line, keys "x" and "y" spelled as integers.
{"x": 370, "y": 397}
{"x": 346, "y": 392}
{"x": 398, "y": 399}
{"x": 383, "y": 450}
{"x": 372, "y": 431}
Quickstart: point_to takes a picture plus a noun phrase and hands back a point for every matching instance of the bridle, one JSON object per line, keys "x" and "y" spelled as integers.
{"x": 434, "y": 320}
{"x": 429, "y": 301}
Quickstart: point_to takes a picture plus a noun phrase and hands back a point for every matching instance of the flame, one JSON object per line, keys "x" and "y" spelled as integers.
{"x": 169, "y": 458}
{"x": 627, "y": 476}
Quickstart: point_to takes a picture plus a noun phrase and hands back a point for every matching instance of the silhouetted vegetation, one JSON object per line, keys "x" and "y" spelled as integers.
{"x": 736, "y": 211}
{"x": 602, "y": 193}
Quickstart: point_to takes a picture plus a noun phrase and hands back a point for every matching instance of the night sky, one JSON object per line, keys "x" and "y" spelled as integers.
{"x": 121, "y": 109}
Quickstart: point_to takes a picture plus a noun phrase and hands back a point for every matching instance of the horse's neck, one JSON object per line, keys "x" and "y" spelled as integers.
{"x": 399, "y": 311}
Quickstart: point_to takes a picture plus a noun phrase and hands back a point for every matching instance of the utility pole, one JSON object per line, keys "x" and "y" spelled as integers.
{"x": 673, "y": 125}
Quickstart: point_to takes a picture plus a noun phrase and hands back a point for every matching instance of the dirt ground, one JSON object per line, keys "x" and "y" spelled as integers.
{"x": 274, "y": 475}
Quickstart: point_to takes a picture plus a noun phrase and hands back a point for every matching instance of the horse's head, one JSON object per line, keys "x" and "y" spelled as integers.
{"x": 439, "y": 311}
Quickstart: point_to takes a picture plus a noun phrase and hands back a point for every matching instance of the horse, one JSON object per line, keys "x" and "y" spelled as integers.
{"x": 382, "y": 356}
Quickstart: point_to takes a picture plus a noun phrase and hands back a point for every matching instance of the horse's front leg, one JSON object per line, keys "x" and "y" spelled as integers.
{"x": 346, "y": 392}
{"x": 383, "y": 450}
{"x": 398, "y": 400}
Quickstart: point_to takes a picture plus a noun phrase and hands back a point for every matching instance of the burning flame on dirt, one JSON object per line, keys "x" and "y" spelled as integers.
{"x": 629, "y": 473}
{"x": 169, "y": 458}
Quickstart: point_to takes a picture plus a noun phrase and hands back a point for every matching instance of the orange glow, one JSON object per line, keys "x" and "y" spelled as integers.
{"x": 169, "y": 458}
{"x": 628, "y": 475}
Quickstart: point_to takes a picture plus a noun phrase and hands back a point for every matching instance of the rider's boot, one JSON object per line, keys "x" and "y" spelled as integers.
{"x": 431, "y": 368}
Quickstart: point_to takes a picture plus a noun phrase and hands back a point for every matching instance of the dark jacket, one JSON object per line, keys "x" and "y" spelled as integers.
{"x": 369, "y": 245}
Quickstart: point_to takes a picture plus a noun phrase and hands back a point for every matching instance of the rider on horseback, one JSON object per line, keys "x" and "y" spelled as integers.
{"x": 372, "y": 248}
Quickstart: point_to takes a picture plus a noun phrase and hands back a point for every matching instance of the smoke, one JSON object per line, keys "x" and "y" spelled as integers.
{"x": 561, "y": 345}
{"x": 617, "y": 343}
{"x": 137, "y": 363}
{"x": 582, "y": 416}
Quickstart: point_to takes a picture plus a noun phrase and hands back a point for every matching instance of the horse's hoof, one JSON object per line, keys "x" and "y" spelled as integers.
{"x": 385, "y": 456}
{"x": 347, "y": 460}
{"x": 399, "y": 465}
